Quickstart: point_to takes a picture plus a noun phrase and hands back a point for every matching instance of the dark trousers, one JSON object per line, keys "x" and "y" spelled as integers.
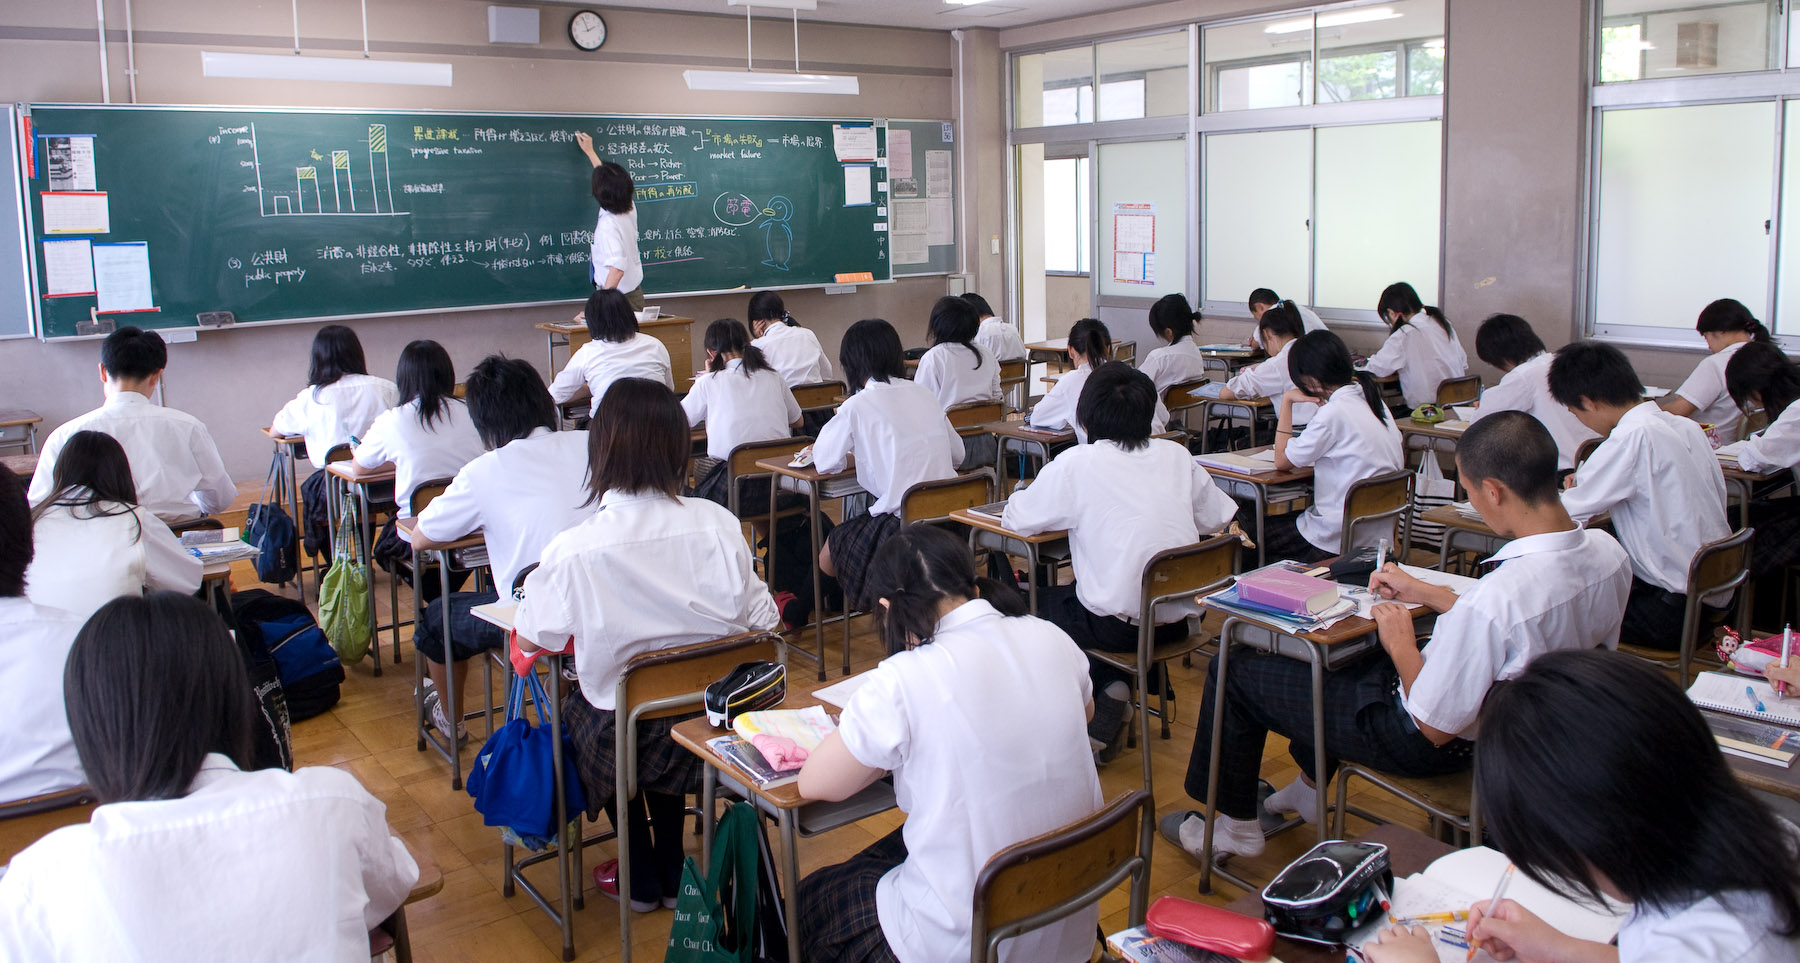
{"x": 469, "y": 636}
{"x": 1281, "y": 536}
{"x": 838, "y": 919}
{"x": 653, "y": 821}
{"x": 1058, "y": 605}
{"x": 1364, "y": 724}
{"x": 1653, "y": 616}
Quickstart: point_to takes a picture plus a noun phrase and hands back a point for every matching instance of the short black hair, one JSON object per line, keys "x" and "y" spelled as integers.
{"x": 979, "y": 303}
{"x": 609, "y": 316}
{"x": 336, "y": 352}
{"x": 954, "y": 321}
{"x": 1598, "y": 372}
{"x": 1117, "y": 403}
{"x": 426, "y": 375}
{"x": 1264, "y": 296}
{"x": 130, "y": 353}
{"x": 1587, "y": 760}
{"x": 1514, "y": 449}
{"x": 151, "y": 686}
{"x": 915, "y": 570}
{"x": 507, "y": 400}
{"x": 637, "y": 440}
{"x": 1506, "y": 340}
{"x": 613, "y": 187}
{"x": 1759, "y": 373}
{"x": 1172, "y": 317}
{"x": 15, "y": 535}
{"x": 871, "y": 351}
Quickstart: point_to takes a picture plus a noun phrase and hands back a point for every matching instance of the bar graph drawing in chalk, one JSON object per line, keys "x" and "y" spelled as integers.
{"x": 348, "y": 197}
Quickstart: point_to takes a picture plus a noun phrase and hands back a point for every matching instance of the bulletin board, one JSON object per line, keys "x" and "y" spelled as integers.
{"x": 922, "y": 191}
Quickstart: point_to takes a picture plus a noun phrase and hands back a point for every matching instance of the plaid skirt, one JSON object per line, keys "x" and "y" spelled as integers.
{"x": 662, "y": 765}
{"x": 838, "y": 919}
{"x": 853, "y": 545}
{"x": 753, "y": 493}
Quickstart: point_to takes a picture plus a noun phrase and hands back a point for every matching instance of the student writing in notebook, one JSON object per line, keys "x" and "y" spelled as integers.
{"x": 791, "y": 349}
{"x": 1705, "y": 397}
{"x": 1761, "y": 376}
{"x": 1599, "y": 778}
{"x": 996, "y": 334}
{"x": 1178, "y": 359}
{"x": 741, "y": 400}
{"x": 618, "y": 350}
{"x": 1278, "y": 327}
{"x": 1262, "y": 299}
{"x": 1421, "y": 346}
{"x": 1656, "y": 475}
{"x": 1090, "y": 344}
{"x": 1507, "y": 342}
{"x": 1557, "y": 586}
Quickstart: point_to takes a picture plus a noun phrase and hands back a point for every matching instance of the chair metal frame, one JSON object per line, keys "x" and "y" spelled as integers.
{"x": 1466, "y": 824}
{"x": 1704, "y": 578}
{"x": 427, "y": 732}
{"x": 1357, "y": 513}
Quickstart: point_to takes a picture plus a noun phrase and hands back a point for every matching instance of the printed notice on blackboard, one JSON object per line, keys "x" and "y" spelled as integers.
{"x": 122, "y": 277}
{"x": 900, "y": 153}
{"x": 937, "y": 173}
{"x": 854, "y": 142}
{"x": 76, "y": 212}
{"x": 68, "y": 268}
{"x": 71, "y": 163}
{"x": 858, "y": 185}
{"x": 909, "y": 249}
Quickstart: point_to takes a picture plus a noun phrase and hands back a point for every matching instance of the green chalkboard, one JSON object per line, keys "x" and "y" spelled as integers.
{"x": 282, "y": 215}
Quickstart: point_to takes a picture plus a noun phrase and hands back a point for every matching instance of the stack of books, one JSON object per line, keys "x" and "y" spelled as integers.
{"x": 1306, "y": 614}
{"x": 214, "y": 546}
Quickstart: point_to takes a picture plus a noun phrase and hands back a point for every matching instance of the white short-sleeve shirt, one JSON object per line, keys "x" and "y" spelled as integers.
{"x": 38, "y": 757}
{"x": 1705, "y": 390}
{"x": 899, "y": 435}
{"x": 1527, "y": 388}
{"x": 1554, "y": 591}
{"x": 1344, "y": 443}
{"x": 1730, "y": 927}
{"x": 795, "y": 352}
{"x": 1424, "y": 355}
{"x": 1056, "y": 410}
{"x": 1775, "y": 447}
{"x": 1120, "y": 508}
{"x": 418, "y": 452}
{"x": 332, "y": 415}
{"x": 984, "y": 729}
{"x": 1270, "y": 379}
{"x": 597, "y": 364}
{"x": 89, "y": 555}
{"x": 194, "y": 878}
{"x": 1001, "y": 339}
{"x": 616, "y": 246}
{"x": 739, "y": 408}
{"x": 1173, "y": 364}
{"x": 957, "y": 376}
{"x": 174, "y": 462}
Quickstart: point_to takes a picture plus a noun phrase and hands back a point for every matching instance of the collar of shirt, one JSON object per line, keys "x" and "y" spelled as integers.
{"x": 1351, "y": 392}
{"x": 1644, "y": 412}
{"x": 615, "y": 497}
{"x": 963, "y": 614}
{"x": 125, "y": 397}
{"x": 1541, "y": 542}
{"x": 212, "y": 769}
{"x": 888, "y": 385}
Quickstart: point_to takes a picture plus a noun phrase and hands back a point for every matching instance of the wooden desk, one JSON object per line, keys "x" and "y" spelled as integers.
{"x": 1020, "y": 435}
{"x": 1741, "y": 484}
{"x": 1250, "y": 409}
{"x": 427, "y": 732}
{"x": 989, "y": 531}
{"x": 819, "y": 486}
{"x": 1262, "y": 488}
{"x": 1758, "y": 775}
{"x": 673, "y": 330}
{"x": 287, "y": 474}
{"x": 348, "y": 477}
{"x": 1431, "y": 436}
{"x": 21, "y": 418}
{"x": 1409, "y": 852}
{"x": 23, "y": 466}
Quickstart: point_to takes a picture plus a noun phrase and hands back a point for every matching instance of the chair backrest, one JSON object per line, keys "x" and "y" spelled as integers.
{"x": 1752, "y": 423}
{"x": 203, "y": 524}
{"x": 971, "y": 415}
{"x": 1181, "y": 397}
{"x": 1458, "y": 391}
{"x": 670, "y": 682}
{"x": 339, "y": 452}
{"x": 933, "y": 501}
{"x": 28, "y": 820}
{"x": 819, "y": 395}
{"x": 1046, "y": 878}
{"x": 426, "y": 491}
{"x": 1721, "y": 565}
{"x": 1013, "y": 372}
{"x": 1587, "y": 448}
{"x": 743, "y": 458}
{"x": 1186, "y": 571}
{"x": 1125, "y": 351}
{"x": 1377, "y": 499}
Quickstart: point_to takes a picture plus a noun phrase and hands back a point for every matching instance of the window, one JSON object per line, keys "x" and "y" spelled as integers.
{"x": 1648, "y": 39}
{"x": 1067, "y": 238}
{"x": 1055, "y": 88}
{"x": 1368, "y": 52}
{"x": 1143, "y": 77}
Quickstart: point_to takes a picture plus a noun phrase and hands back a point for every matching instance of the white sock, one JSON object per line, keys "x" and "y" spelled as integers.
{"x": 1237, "y": 837}
{"x": 1296, "y": 797}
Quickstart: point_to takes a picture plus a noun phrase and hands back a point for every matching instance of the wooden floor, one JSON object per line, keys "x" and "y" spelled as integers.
{"x": 370, "y": 734}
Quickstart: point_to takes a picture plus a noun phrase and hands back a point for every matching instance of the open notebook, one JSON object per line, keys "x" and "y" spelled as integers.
{"x": 1739, "y": 695}
{"x": 1261, "y": 461}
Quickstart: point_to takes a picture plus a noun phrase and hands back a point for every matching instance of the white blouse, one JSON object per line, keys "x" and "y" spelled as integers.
{"x": 1424, "y": 355}
{"x": 616, "y": 246}
{"x": 958, "y": 376}
{"x": 1001, "y": 339}
{"x": 739, "y": 408}
{"x": 1527, "y": 388}
{"x": 1173, "y": 364}
{"x": 597, "y": 364}
{"x": 1705, "y": 390}
{"x": 899, "y": 435}
{"x": 1344, "y": 443}
{"x": 1056, "y": 410}
{"x": 1730, "y": 927}
{"x": 418, "y": 452}
{"x": 39, "y": 757}
{"x": 332, "y": 415}
{"x": 174, "y": 462}
{"x": 1271, "y": 379}
{"x": 84, "y": 560}
{"x": 795, "y": 352}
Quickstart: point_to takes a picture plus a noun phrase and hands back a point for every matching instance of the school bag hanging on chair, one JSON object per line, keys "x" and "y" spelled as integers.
{"x": 513, "y": 779}
{"x": 272, "y": 532}
{"x": 715, "y": 914}
{"x": 1430, "y": 490}
{"x": 344, "y": 592}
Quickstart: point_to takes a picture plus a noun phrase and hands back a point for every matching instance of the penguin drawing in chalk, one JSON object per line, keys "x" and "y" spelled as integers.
{"x": 778, "y": 234}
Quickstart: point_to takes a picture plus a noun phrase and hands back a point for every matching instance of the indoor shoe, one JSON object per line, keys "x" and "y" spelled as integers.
{"x": 435, "y": 707}
{"x": 1233, "y": 837}
{"x": 1110, "y": 726}
{"x": 606, "y": 880}
{"x": 1269, "y": 818}
{"x": 781, "y": 603}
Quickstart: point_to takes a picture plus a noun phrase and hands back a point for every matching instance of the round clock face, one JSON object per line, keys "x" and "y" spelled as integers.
{"x": 587, "y": 30}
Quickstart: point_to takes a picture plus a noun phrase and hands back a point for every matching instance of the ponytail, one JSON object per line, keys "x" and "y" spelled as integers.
{"x": 1372, "y": 394}
{"x": 1400, "y": 297}
{"x": 1090, "y": 337}
{"x": 729, "y": 336}
{"x": 1437, "y": 315}
{"x": 1173, "y": 317}
{"x": 1730, "y": 316}
{"x": 1282, "y": 320}
{"x": 915, "y": 571}
{"x": 1324, "y": 358}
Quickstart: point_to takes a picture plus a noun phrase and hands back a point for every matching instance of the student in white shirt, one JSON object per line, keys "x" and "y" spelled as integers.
{"x": 741, "y": 400}
{"x": 525, "y": 490}
{"x": 791, "y": 349}
{"x": 1350, "y": 438}
{"x": 956, "y": 369}
{"x": 974, "y": 712}
{"x": 996, "y": 334}
{"x": 1277, "y": 327}
{"x": 650, "y": 570}
{"x": 341, "y": 399}
{"x": 1761, "y": 376}
{"x": 179, "y": 473}
{"x": 1507, "y": 342}
{"x": 429, "y": 434}
{"x": 1178, "y": 360}
{"x": 614, "y": 262}
{"x": 1122, "y": 497}
{"x": 1421, "y": 346}
{"x": 1639, "y": 807}
{"x": 1656, "y": 475}
{"x": 617, "y": 350}
{"x": 1089, "y": 344}
{"x": 40, "y": 757}
{"x": 1262, "y": 299}
{"x": 1727, "y": 326}
{"x": 187, "y": 851}
{"x": 1557, "y": 586}
{"x": 94, "y": 543}
{"x": 900, "y": 437}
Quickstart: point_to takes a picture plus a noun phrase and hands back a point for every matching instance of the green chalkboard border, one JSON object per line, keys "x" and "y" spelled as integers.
{"x": 33, "y": 235}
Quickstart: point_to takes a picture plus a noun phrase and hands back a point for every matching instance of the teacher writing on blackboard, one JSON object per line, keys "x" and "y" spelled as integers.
{"x": 613, "y": 260}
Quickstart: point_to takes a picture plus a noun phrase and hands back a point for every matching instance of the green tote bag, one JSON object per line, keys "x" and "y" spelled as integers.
{"x": 344, "y": 593}
{"x": 704, "y": 930}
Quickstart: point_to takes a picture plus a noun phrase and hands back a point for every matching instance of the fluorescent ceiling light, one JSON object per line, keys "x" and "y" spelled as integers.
{"x": 964, "y": 3}
{"x": 355, "y": 70}
{"x": 770, "y": 82}
{"x": 1359, "y": 15}
{"x": 777, "y": 4}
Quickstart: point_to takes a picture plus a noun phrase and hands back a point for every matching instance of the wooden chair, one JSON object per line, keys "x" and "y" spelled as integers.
{"x": 933, "y": 501}
{"x": 1381, "y": 499}
{"x": 1183, "y": 398}
{"x": 740, "y": 467}
{"x": 1458, "y": 391}
{"x": 819, "y": 395}
{"x": 445, "y": 564}
{"x": 1719, "y": 566}
{"x": 28, "y": 820}
{"x": 1036, "y": 882}
{"x": 1013, "y": 377}
{"x": 1449, "y": 800}
{"x": 1586, "y": 450}
{"x": 970, "y": 417}
{"x": 1125, "y": 351}
{"x": 1177, "y": 574}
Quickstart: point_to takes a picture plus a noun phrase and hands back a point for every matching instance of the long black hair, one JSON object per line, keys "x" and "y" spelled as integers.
{"x": 91, "y": 474}
{"x": 767, "y": 306}
{"x": 1760, "y": 373}
{"x": 336, "y": 352}
{"x": 426, "y": 375}
{"x": 954, "y": 321}
{"x": 1090, "y": 337}
{"x": 1172, "y": 318}
{"x": 1729, "y": 316}
{"x": 729, "y": 336}
{"x": 919, "y": 567}
{"x": 151, "y": 686}
{"x": 1588, "y": 763}
{"x": 637, "y": 441}
{"x": 1323, "y": 357}
{"x": 16, "y": 546}
{"x": 1401, "y": 297}
{"x": 871, "y": 351}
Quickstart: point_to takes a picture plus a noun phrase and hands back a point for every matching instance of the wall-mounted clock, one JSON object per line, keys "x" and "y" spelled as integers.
{"x": 586, "y": 30}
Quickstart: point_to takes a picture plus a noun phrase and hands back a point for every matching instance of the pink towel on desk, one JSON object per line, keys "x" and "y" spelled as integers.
{"x": 781, "y": 753}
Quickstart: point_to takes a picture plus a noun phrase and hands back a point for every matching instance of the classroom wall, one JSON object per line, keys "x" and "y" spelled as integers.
{"x": 235, "y": 381}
